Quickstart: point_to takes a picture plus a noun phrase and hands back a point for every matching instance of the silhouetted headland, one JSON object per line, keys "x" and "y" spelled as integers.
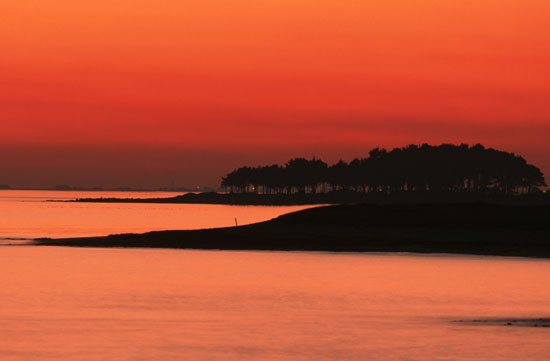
{"x": 413, "y": 174}
{"x": 476, "y": 228}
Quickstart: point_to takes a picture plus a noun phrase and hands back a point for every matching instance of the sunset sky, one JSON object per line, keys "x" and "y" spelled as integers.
{"x": 144, "y": 93}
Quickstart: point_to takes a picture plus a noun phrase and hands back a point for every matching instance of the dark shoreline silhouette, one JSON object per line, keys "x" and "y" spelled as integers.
{"x": 336, "y": 197}
{"x": 517, "y": 322}
{"x": 473, "y": 228}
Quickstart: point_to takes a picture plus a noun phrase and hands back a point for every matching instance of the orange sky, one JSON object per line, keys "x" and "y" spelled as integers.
{"x": 147, "y": 92}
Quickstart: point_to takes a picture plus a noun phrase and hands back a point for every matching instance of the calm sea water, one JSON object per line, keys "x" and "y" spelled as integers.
{"x": 27, "y": 215}
{"x": 135, "y": 304}
{"x": 145, "y": 304}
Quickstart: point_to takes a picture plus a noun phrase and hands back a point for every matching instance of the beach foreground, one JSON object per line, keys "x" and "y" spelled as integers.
{"x": 480, "y": 229}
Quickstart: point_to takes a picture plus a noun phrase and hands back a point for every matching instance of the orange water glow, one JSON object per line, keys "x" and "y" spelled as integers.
{"x": 189, "y": 90}
{"x": 136, "y": 304}
{"x": 27, "y": 215}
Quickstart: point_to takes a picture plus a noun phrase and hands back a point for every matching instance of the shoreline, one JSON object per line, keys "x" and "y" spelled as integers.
{"x": 334, "y": 198}
{"x": 463, "y": 229}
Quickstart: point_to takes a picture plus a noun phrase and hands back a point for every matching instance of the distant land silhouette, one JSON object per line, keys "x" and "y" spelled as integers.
{"x": 66, "y": 187}
{"x": 412, "y": 174}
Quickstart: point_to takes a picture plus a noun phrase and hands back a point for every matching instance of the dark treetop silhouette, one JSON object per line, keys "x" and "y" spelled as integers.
{"x": 444, "y": 168}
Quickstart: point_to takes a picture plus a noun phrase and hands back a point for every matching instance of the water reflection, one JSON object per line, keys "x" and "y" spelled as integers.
{"x": 27, "y": 215}
{"x": 126, "y": 304}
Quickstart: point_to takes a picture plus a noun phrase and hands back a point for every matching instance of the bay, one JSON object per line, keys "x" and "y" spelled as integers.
{"x": 29, "y": 214}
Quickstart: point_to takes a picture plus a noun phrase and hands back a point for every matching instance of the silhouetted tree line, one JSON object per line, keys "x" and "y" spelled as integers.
{"x": 426, "y": 168}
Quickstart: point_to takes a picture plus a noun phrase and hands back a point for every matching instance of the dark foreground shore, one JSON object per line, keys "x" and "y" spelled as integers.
{"x": 480, "y": 229}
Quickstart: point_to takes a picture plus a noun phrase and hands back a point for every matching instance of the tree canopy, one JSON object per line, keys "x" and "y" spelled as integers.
{"x": 425, "y": 168}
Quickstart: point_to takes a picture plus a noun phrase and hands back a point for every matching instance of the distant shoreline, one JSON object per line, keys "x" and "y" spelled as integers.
{"x": 469, "y": 229}
{"x": 108, "y": 190}
{"x": 339, "y": 197}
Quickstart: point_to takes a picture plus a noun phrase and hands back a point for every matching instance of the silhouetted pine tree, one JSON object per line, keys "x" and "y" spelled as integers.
{"x": 425, "y": 168}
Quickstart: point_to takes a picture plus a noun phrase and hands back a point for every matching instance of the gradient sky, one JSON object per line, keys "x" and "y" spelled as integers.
{"x": 149, "y": 92}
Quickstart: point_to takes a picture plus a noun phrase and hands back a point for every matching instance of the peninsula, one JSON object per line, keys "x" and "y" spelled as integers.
{"x": 472, "y": 228}
{"x": 412, "y": 174}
